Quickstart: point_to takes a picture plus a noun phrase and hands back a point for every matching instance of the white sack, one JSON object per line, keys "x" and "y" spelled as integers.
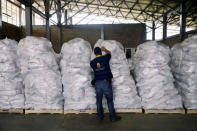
{"x": 184, "y": 65}
{"x": 76, "y": 75}
{"x": 11, "y": 88}
{"x": 154, "y": 77}
{"x": 42, "y": 79}
{"x": 124, "y": 90}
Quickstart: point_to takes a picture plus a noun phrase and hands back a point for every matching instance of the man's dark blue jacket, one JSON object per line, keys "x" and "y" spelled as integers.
{"x": 101, "y": 67}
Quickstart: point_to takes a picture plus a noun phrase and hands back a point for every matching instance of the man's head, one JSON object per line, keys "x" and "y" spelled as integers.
{"x": 97, "y": 51}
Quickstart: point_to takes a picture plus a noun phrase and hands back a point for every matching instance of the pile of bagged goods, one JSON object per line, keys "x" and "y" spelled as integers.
{"x": 124, "y": 90}
{"x": 11, "y": 88}
{"x": 40, "y": 72}
{"x": 184, "y": 65}
{"x": 76, "y": 75}
{"x": 155, "y": 81}
{"x": 30, "y": 76}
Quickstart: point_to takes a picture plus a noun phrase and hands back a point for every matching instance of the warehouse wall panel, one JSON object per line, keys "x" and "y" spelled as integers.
{"x": 130, "y": 35}
{"x": 11, "y": 31}
{"x": 90, "y": 33}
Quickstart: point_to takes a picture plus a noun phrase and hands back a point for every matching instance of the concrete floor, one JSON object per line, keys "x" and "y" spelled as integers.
{"x": 86, "y": 122}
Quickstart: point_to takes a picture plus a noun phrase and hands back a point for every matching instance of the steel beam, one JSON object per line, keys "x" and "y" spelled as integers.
{"x": 50, "y": 7}
{"x": 183, "y": 16}
{"x": 117, "y": 8}
{"x": 170, "y": 11}
{"x": 66, "y": 17}
{"x": 41, "y": 14}
{"x": 81, "y": 9}
{"x": 20, "y": 14}
{"x": 110, "y": 8}
{"x": 102, "y": 32}
{"x": 65, "y": 4}
{"x": 26, "y": 2}
{"x": 105, "y": 5}
{"x": 28, "y": 18}
{"x": 192, "y": 20}
{"x": 177, "y": 9}
{"x": 153, "y": 30}
{"x": 165, "y": 22}
{"x": 46, "y": 4}
{"x": 13, "y": 3}
{"x": 166, "y": 4}
{"x": 91, "y": 12}
{"x": 144, "y": 10}
{"x": 59, "y": 25}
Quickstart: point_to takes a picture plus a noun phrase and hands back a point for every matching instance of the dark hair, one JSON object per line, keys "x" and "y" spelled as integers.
{"x": 97, "y": 50}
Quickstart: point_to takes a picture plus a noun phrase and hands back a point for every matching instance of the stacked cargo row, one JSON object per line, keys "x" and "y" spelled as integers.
{"x": 34, "y": 77}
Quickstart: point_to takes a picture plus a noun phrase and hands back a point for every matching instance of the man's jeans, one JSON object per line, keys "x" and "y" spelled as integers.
{"x": 104, "y": 87}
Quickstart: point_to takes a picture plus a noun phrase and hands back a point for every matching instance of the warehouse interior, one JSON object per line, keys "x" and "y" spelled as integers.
{"x": 164, "y": 20}
{"x": 130, "y": 22}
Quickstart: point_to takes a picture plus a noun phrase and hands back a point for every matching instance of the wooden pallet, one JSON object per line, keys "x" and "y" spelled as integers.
{"x": 129, "y": 110}
{"x": 164, "y": 111}
{"x": 190, "y": 111}
{"x": 19, "y": 111}
{"x": 43, "y": 111}
{"x": 93, "y": 111}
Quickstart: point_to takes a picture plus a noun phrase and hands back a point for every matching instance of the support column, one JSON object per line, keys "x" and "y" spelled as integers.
{"x": 153, "y": 30}
{"x": 59, "y": 25}
{"x": 182, "y": 20}
{"x": 20, "y": 21}
{"x": 0, "y": 21}
{"x": 20, "y": 13}
{"x": 33, "y": 18}
{"x": 102, "y": 32}
{"x": 165, "y": 27}
{"x": 66, "y": 17}
{"x": 28, "y": 18}
{"x": 48, "y": 32}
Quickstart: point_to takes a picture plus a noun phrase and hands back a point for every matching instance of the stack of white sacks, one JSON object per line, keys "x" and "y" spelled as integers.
{"x": 76, "y": 75}
{"x": 40, "y": 71}
{"x": 11, "y": 89}
{"x": 184, "y": 67}
{"x": 124, "y": 89}
{"x": 154, "y": 77}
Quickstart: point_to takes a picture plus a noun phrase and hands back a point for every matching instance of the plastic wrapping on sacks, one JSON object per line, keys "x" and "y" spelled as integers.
{"x": 76, "y": 75}
{"x": 124, "y": 90}
{"x": 11, "y": 88}
{"x": 40, "y": 71}
{"x": 184, "y": 65}
{"x": 154, "y": 77}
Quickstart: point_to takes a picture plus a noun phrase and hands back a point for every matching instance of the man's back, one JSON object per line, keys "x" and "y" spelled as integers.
{"x": 101, "y": 67}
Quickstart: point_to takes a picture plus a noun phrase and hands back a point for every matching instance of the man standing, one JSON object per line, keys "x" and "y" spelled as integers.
{"x": 102, "y": 82}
